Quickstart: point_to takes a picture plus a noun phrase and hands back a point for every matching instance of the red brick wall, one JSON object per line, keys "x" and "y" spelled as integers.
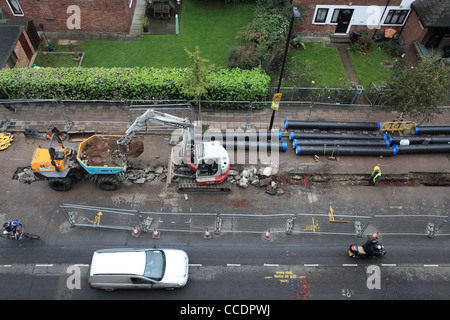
{"x": 413, "y": 30}
{"x": 110, "y": 16}
{"x": 22, "y": 59}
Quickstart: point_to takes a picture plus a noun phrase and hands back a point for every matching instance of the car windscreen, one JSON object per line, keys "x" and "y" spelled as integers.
{"x": 154, "y": 264}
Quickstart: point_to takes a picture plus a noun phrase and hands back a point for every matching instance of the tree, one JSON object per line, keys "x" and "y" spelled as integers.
{"x": 197, "y": 80}
{"x": 419, "y": 91}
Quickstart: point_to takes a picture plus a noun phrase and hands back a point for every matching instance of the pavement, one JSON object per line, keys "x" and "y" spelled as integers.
{"x": 111, "y": 118}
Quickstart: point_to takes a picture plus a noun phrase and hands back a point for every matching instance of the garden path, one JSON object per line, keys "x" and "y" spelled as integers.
{"x": 347, "y": 64}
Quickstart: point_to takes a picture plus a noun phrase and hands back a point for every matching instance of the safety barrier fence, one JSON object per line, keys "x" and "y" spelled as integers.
{"x": 114, "y": 117}
{"x": 282, "y": 223}
{"x": 73, "y": 115}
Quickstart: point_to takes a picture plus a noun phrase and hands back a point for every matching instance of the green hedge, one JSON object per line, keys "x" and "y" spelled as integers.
{"x": 128, "y": 83}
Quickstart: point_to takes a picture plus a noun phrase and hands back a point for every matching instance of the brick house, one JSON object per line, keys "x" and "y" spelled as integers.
{"x": 417, "y": 23}
{"x": 428, "y": 28}
{"x": 343, "y": 17}
{"x": 74, "y": 16}
{"x": 19, "y": 42}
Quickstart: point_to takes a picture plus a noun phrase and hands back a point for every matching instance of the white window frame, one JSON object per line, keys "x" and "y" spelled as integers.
{"x": 396, "y": 24}
{"x": 317, "y": 14}
{"x": 12, "y": 11}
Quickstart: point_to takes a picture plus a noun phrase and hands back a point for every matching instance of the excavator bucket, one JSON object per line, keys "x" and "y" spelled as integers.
{"x": 135, "y": 148}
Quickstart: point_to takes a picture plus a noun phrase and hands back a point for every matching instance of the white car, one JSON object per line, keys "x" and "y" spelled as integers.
{"x": 138, "y": 269}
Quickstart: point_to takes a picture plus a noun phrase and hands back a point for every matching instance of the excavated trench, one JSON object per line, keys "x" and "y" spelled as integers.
{"x": 412, "y": 179}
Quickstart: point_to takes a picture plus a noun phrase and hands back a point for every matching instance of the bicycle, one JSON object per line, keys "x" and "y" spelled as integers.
{"x": 21, "y": 233}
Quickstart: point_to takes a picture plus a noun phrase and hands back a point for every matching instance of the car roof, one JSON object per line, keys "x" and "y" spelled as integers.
{"x": 118, "y": 262}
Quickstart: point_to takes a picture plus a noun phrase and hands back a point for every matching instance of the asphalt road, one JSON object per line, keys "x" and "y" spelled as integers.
{"x": 241, "y": 267}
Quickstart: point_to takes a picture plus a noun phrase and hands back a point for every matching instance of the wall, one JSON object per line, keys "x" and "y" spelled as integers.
{"x": 109, "y": 16}
{"x": 24, "y": 55}
{"x": 366, "y": 12}
{"x": 413, "y": 30}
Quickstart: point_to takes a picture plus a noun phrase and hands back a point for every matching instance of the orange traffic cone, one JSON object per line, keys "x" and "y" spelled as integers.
{"x": 136, "y": 232}
{"x": 156, "y": 234}
{"x": 207, "y": 234}
{"x": 267, "y": 235}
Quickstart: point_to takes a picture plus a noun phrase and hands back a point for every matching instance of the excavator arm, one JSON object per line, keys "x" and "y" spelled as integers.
{"x": 140, "y": 124}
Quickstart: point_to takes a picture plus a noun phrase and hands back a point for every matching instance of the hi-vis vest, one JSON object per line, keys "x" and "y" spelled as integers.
{"x": 376, "y": 176}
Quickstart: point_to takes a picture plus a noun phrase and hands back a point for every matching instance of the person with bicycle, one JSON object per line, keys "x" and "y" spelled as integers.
{"x": 11, "y": 228}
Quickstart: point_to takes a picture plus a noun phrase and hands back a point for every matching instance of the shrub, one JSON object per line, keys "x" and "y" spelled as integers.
{"x": 260, "y": 42}
{"x": 128, "y": 83}
{"x": 364, "y": 44}
{"x": 393, "y": 48}
{"x": 241, "y": 57}
{"x": 297, "y": 42}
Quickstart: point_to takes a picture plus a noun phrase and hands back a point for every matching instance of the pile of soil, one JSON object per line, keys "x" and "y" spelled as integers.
{"x": 102, "y": 151}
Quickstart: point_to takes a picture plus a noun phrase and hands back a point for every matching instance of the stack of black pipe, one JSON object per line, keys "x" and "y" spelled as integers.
{"x": 310, "y": 143}
{"x": 248, "y": 140}
{"x": 426, "y": 139}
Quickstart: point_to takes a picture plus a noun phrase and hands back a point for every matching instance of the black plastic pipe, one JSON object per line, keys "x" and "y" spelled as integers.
{"x": 346, "y": 151}
{"x": 420, "y": 140}
{"x": 337, "y": 136}
{"x": 430, "y": 148}
{"x": 430, "y": 130}
{"x": 331, "y": 143}
{"x": 247, "y": 145}
{"x": 330, "y": 125}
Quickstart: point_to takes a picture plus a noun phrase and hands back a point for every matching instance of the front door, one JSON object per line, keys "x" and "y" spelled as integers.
{"x": 343, "y": 20}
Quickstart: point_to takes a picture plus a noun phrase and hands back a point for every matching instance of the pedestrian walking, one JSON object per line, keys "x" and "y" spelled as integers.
{"x": 4, "y": 96}
{"x": 375, "y": 176}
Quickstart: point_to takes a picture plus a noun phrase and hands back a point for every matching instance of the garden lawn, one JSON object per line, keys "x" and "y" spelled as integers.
{"x": 370, "y": 66}
{"x": 212, "y": 25}
{"x": 317, "y": 66}
{"x": 52, "y": 60}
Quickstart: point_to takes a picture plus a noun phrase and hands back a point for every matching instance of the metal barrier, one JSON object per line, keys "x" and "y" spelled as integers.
{"x": 114, "y": 117}
{"x": 70, "y": 115}
{"x": 99, "y": 217}
{"x": 428, "y": 225}
{"x": 35, "y": 114}
{"x": 286, "y": 223}
{"x": 323, "y": 95}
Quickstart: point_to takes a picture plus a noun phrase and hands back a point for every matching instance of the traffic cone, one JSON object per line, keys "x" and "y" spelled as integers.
{"x": 136, "y": 232}
{"x": 207, "y": 234}
{"x": 267, "y": 235}
{"x": 156, "y": 234}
